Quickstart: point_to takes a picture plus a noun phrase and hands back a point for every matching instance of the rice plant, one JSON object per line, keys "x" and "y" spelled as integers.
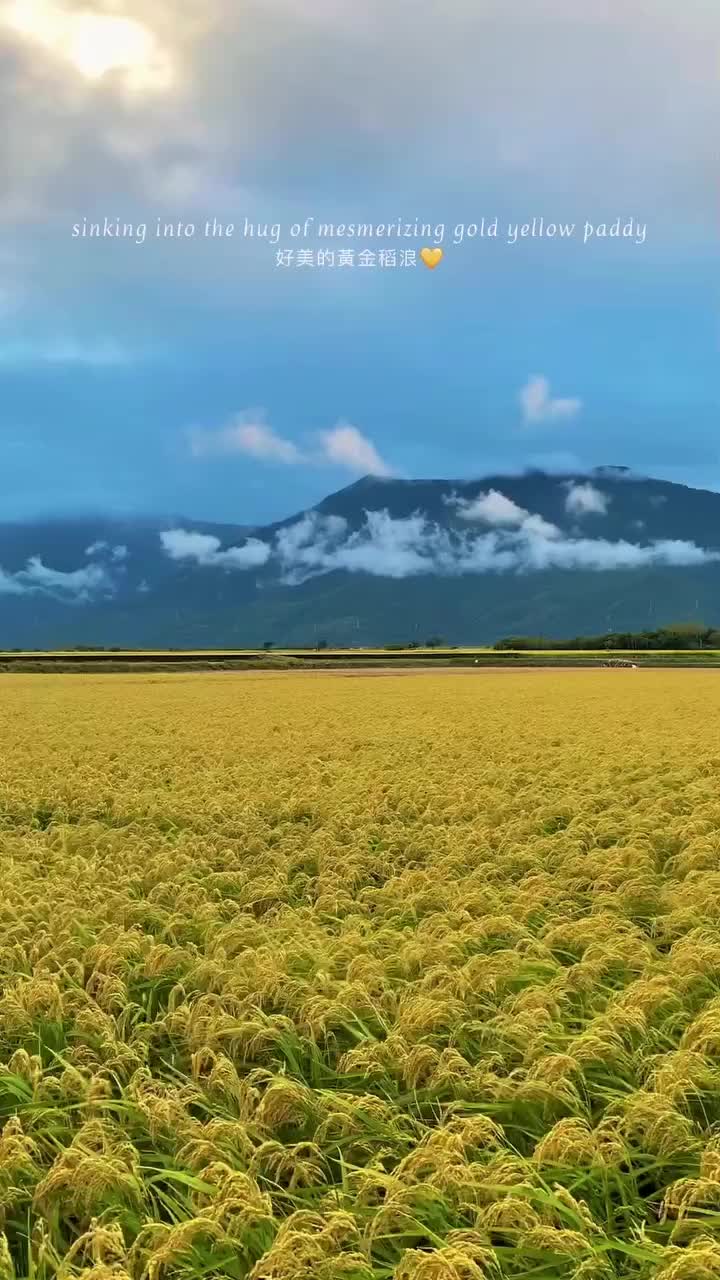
{"x": 303, "y": 976}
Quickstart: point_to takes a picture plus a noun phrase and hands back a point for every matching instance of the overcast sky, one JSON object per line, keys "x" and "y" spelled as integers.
{"x": 196, "y": 376}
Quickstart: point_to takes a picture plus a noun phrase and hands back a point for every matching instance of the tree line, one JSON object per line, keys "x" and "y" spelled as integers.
{"x": 680, "y": 635}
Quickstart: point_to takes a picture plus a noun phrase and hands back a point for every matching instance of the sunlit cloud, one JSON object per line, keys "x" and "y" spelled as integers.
{"x": 344, "y": 446}
{"x": 93, "y": 44}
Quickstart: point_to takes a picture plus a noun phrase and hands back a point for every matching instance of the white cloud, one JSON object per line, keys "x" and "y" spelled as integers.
{"x": 536, "y": 527}
{"x": 250, "y": 556}
{"x": 248, "y": 436}
{"x": 9, "y": 585}
{"x": 598, "y": 553}
{"x": 539, "y": 406}
{"x": 383, "y": 546}
{"x": 307, "y": 542}
{"x": 102, "y": 548}
{"x": 586, "y": 500}
{"x": 78, "y": 582}
{"x": 343, "y": 446}
{"x": 408, "y": 547}
{"x": 205, "y": 549}
{"x": 73, "y": 586}
{"x": 181, "y": 544}
{"x": 261, "y": 442}
{"x": 494, "y": 508}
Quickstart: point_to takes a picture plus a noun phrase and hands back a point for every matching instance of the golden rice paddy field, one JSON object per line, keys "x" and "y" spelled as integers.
{"x": 325, "y": 978}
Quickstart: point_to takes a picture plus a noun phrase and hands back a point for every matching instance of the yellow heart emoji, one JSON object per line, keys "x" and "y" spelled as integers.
{"x": 431, "y": 257}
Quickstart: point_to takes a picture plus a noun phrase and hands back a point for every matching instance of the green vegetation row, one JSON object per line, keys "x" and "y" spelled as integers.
{"x": 198, "y": 663}
{"x": 681, "y": 635}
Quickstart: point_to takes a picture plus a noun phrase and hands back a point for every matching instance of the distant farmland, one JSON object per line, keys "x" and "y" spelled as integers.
{"x": 231, "y": 659}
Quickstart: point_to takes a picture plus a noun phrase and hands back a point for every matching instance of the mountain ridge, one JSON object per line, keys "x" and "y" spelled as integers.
{"x": 379, "y": 561}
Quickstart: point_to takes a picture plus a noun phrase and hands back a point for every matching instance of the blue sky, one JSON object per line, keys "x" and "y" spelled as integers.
{"x": 196, "y": 377}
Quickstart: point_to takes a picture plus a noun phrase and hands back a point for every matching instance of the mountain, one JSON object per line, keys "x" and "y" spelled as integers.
{"x": 381, "y": 561}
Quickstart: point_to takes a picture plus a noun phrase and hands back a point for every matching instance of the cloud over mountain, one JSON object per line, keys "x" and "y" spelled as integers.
{"x": 585, "y": 500}
{"x": 381, "y": 559}
{"x": 514, "y": 540}
{"x": 205, "y": 550}
{"x": 73, "y": 586}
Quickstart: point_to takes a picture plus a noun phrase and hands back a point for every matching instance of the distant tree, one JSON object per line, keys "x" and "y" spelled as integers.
{"x": 268, "y": 645}
{"x": 435, "y": 642}
{"x": 523, "y": 642}
{"x": 685, "y": 635}
{"x": 680, "y": 635}
{"x": 322, "y": 644}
